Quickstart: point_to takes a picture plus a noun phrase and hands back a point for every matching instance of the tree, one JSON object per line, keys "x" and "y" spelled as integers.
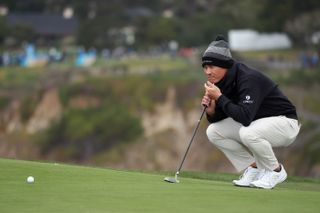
{"x": 85, "y": 132}
{"x": 3, "y": 30}
{"x": 276, "y": 13}
{"x": 303, "y": 26}
{"x": 157, "y": 30}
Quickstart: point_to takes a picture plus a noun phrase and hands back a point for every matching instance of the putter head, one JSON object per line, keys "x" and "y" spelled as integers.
{"x": 172, "y": 179}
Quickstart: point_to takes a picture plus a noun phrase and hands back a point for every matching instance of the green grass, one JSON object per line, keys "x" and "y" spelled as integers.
{"x": 67, "y": 188}
{"x": 135, "y": 64}
{"x": 292, "y": 54}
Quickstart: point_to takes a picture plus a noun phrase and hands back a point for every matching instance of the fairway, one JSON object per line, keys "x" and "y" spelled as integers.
{"x": 68, "y": 188}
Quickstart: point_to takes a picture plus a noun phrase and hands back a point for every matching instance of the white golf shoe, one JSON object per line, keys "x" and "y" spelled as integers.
{"x": 270, "y": 179}
{"x": 250, "y": 174}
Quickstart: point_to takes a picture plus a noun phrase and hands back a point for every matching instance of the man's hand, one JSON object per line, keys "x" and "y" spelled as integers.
{"x": 212, "y": 91}
{"x": 209, "y": 103}
{"x": 206, "y": 101}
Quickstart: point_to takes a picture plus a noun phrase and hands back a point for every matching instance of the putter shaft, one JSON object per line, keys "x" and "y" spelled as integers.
{"x": 175, "y": 180}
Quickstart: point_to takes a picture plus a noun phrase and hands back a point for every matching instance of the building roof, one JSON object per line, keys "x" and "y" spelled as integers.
{"x": 45, "y": 24}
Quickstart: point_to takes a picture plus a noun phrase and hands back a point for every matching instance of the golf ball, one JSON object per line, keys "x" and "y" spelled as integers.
{"x": 30, "y": 179}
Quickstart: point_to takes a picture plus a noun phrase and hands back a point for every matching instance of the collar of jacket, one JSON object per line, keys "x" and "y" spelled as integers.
{"x": 228, "y": 82}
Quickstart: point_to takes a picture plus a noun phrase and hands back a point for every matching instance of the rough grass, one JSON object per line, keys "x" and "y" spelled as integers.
{"x": 67, "y": 188}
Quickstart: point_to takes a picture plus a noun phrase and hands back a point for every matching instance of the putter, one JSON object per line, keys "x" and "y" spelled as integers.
{"x": 175, "y": 178}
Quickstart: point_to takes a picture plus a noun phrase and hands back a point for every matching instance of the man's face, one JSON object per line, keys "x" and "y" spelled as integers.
{"x": 214, "y": 73}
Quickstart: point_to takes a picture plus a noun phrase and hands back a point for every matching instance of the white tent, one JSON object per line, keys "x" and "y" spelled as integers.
{"x": 243, "y": 40}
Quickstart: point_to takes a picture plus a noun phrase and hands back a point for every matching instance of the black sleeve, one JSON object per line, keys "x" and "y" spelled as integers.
{"x": 250, "y": 94}
{"x": 217, "y": 116}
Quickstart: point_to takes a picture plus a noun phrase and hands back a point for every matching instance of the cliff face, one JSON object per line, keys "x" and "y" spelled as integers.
{"x": 48, "y": 110}
{"x": 167, "y": 132}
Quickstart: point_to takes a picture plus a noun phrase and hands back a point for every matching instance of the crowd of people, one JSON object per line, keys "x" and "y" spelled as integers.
{"x": 29, "y": 56}
{"x": 310, "y": 59}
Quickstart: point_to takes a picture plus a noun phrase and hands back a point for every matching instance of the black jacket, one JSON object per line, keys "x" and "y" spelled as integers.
{"x": 248, "y": 95}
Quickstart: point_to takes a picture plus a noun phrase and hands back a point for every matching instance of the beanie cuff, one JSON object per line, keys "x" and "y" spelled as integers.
{"x": 217, "y": 62}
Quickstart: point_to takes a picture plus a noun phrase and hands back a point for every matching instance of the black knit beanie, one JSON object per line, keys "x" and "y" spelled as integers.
{"x": 218, "y": 54}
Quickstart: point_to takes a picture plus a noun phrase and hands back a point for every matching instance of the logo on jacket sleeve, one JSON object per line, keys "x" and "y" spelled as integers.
{"x": 247, "y": 100}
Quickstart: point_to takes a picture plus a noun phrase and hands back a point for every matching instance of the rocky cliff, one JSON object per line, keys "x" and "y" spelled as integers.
{"x": 167, "y": 132}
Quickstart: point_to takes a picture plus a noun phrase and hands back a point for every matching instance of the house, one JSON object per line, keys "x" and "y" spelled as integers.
{"x": 44, "y": 25}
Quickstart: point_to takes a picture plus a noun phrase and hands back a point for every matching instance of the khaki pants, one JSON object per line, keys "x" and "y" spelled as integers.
{"x": 246, "y": 145}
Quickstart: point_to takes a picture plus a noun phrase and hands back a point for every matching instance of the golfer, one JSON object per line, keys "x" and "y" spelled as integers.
{"x": 248, "y": 116}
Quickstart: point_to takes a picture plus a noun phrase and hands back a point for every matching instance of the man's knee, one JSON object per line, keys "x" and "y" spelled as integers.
{"x": 213, "y": 134}
{"x": 248, "y": 136}
{"x": 225, "y": 129}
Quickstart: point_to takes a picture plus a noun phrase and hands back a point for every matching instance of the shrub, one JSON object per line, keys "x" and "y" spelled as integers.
{"x": 85, "y": 132}
{"x": 28, "y": 105}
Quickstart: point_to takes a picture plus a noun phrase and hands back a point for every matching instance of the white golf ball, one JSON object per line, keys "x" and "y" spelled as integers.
{"x": 30, "y": 179}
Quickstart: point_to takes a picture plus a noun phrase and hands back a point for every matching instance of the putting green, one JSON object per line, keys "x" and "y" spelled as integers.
{"x": 67, "y": 188}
